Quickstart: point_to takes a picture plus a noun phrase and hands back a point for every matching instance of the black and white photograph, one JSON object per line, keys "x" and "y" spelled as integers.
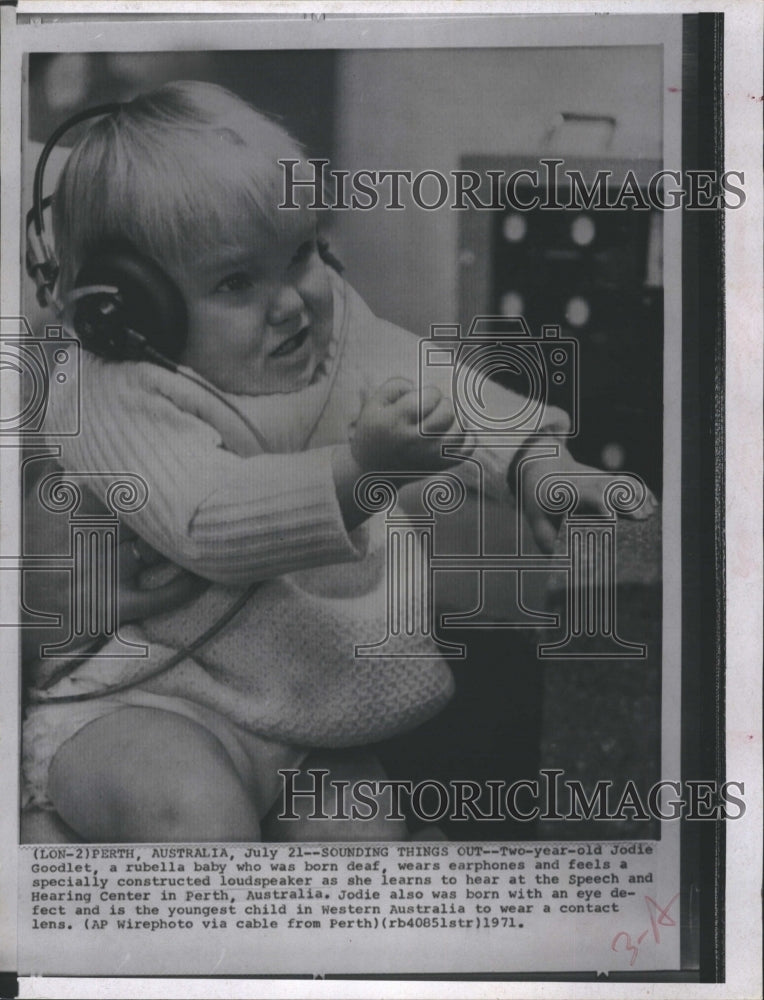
{"x": 363, "y": 502}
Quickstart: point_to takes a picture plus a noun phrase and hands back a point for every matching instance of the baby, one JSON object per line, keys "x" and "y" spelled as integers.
{"x": 297, "y": 392}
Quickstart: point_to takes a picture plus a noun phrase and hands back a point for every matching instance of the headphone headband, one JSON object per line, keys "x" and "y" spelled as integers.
{"x": 63, "y": 128}
{"x": 41, "y": 263}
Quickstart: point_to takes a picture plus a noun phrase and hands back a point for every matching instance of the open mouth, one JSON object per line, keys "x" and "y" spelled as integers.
{"x": 292, "y": 344}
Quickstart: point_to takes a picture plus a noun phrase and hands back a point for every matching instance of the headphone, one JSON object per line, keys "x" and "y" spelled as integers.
{"x": 125, "y": 308}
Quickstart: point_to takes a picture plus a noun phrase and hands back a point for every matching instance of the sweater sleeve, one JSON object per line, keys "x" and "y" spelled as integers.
{"x": 230, "y": 519}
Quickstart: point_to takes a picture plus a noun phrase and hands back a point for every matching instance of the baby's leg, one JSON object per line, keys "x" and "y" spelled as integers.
{"x": 42, "y": 826}
{"x": 349, "y": 766}
{"x": 147, "y": 775}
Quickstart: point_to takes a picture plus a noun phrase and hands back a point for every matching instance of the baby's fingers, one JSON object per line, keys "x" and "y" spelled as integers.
{"x": 544, "y": 530}
{"x": 429, "y": 400}
{"x": 462, "y": 448}
{"x": 440, "y": 418}
{"x": 646, "y": 509}
{"x": 408, "y": 405}
{"x": 392, "y": 390}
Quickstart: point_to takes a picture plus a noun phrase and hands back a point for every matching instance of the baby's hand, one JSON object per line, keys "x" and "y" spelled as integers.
{"x": 543, "y": 524}
{"x": 387, "y": 437}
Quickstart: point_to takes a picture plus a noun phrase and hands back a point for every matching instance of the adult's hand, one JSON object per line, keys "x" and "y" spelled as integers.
{"x": 149, "y": 584}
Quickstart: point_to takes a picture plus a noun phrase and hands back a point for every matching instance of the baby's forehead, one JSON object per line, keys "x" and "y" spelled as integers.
{"x": 257, "y": 244}
{"x": 185, "y": 174}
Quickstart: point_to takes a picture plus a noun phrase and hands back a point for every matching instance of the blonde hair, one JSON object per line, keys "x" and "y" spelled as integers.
{"x": 173, "y": 172}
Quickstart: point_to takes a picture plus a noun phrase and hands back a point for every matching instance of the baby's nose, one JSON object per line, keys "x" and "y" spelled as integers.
{"x": 285, "y": 304}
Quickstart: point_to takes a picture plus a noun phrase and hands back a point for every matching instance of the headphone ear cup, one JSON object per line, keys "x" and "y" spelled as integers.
{"x": 147, "y": 303}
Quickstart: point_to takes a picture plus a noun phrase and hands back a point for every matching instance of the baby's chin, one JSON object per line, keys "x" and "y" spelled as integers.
{"x": 316, "y": 367}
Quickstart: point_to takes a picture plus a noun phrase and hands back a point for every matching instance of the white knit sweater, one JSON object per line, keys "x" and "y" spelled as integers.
{"x": 285, "y": 666}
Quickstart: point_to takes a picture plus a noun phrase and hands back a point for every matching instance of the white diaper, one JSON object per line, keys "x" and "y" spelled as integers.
{"x": 47, "y": 728}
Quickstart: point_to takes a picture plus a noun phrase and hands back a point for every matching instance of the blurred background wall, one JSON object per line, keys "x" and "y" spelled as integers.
{"x": 427, "y": 109}
{"x": 296, "y": 87}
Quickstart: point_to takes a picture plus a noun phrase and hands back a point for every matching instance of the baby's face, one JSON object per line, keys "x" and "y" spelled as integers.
{"x": 259, "y": 319}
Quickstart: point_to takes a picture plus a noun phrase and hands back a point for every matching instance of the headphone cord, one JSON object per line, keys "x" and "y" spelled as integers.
{"x": 38, "y": 695}
{"x": 189, "y": 374}
{"x": 139, "y": 349}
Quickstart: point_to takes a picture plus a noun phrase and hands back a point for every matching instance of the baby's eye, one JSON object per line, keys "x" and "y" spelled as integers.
{"x": 238, "y": 282}
{"x": 303, "y": 252}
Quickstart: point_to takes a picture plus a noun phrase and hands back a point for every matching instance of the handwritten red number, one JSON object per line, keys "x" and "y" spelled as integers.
{"x": 629, "y": 946}
{"x": 663, "y": 919}
{"x": 659, "y": 917}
